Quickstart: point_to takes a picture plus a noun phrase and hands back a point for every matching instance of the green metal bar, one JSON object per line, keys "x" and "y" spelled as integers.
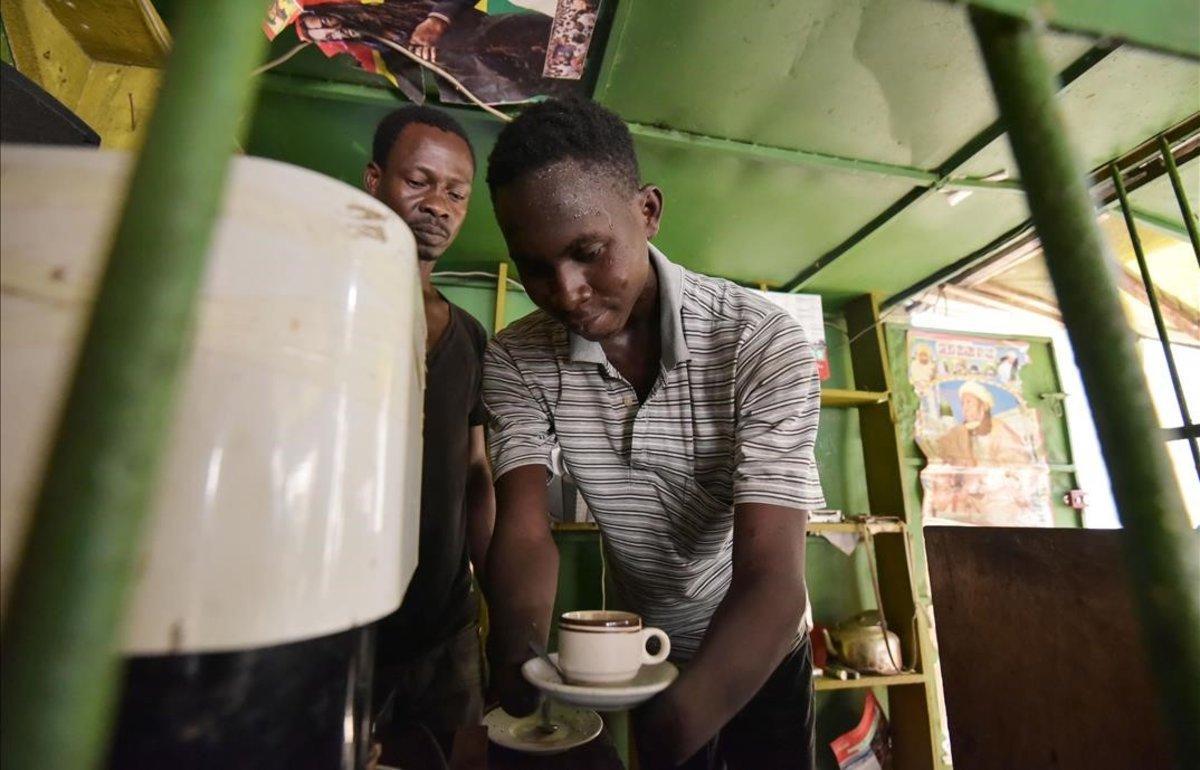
{"x": 1155, "y": 310}
{"x": 1161, "y": 552}
{"x": 976, "y": 183}
{"x": 1171, "y": 25}
{"x": 791, "y": 156}
{"x": 1182, "y": 433}
{"x": 1185, "y": 210}
{"x": 61, "y": 665}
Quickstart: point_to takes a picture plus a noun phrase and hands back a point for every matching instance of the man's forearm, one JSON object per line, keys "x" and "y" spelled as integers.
{"x": 480, "y": 510}
{"x": 749, "y": 635}
{"x": 747, "y": 638}
{"x": 521, "y": 581}
{"x": 522, "y": 574}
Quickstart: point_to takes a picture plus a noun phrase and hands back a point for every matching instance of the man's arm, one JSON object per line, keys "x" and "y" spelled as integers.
{"x": 775, "y": 483}
{"x": 522, "y": 563}
{"x": 522, "y": 578}
{"x": 479, "y": 501}
{"x": 749, "y": 635}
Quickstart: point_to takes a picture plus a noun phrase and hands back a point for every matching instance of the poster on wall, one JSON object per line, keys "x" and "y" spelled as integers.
{"x": 986, "y": 451}
{"x": 503, "y": 51}
{"x": 806, "y": 309}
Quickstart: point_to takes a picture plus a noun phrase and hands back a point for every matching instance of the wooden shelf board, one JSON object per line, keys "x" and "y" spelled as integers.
{"x": 822, "y": 684}
{"x": 836, "y": 397}
{"x": 574, "y": 526}
{"x": 821, "y": 527}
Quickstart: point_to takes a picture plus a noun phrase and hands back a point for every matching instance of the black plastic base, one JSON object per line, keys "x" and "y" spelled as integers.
{"x": 298, "y": 705}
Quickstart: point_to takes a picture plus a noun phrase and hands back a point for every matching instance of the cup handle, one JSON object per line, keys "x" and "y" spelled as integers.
{"x": 664, "y": 646}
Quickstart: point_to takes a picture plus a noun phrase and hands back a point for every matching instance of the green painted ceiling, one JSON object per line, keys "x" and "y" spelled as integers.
{"x": 892, "y": 81}
{"x": 895, "y": 81}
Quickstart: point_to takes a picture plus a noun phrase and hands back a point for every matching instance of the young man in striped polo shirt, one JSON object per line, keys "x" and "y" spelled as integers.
{"x": 685, "y": 408}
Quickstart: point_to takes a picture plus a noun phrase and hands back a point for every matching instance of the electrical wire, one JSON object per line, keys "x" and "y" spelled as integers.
{"x": 404, "y": 51}
{"x": 603, "y": 572}
{"x": 439, "y": 71}
{"x": 280, "y": 60}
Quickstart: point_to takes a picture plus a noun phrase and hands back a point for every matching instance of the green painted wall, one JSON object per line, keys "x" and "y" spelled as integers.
{"x": 5, "y": 51}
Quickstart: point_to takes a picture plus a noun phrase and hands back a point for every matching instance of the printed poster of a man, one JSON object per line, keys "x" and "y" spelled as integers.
{"x": 985, "y": 447}
{"x": 981, "y": 437}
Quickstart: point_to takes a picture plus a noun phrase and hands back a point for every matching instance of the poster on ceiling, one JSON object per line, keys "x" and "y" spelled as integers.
{"x": 985, "y": 447}
{"x": 502, "y": 51}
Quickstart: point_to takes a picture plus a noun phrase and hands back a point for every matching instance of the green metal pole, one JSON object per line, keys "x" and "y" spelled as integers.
{"x": 1155, "y": 310}
{"x": 60, "y": 657}
{"x": 1189, "y": 219}
{"x": 1161, "y": 552}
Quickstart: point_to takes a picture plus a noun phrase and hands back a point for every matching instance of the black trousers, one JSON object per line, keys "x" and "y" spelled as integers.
{"x": 774, "y": 731}
{"x": 434, "y": 694}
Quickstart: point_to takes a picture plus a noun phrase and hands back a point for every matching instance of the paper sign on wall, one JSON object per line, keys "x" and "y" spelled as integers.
{"x": 806, "y": 309}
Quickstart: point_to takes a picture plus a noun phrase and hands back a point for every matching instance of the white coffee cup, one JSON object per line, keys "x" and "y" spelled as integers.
{"x": 606, "y": 646}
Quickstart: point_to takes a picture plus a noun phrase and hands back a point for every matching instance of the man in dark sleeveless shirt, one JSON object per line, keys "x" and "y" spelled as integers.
{"x": 427, "y": 662}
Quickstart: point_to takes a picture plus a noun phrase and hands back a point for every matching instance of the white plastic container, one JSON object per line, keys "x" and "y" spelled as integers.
{"x": 288, "y": 506}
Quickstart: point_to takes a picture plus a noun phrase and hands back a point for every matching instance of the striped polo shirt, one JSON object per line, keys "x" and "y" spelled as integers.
{"x": 732, "y": 418}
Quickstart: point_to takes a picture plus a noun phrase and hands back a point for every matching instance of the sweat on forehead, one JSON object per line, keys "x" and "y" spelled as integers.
{"x": 575, "y": 175}
{"x": 568, "y": 188}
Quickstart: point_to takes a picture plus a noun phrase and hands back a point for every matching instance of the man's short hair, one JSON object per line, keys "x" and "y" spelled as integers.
{"x": 394, "y": 123}
{"x": 563, "y": 129}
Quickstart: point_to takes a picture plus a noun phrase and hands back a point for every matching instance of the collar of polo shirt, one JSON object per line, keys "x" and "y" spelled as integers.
{"x": 670, "y": 303}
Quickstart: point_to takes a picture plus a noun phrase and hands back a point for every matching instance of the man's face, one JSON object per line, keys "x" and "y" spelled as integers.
{"x": 974, "y": 410}
{"x": 427, "y": 181}
{"x": 579, "y": 237}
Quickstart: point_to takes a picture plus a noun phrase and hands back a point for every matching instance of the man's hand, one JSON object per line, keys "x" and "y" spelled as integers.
{"x": 425, "y": 37}
{"x": 656, "y": 730}
{"x": 517, "y": 696}
{"x": 374, "y": 756}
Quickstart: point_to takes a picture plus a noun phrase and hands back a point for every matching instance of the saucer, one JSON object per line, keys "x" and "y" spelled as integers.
{"x": 650, "y": 680}
{"x": 576, "y": 727}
